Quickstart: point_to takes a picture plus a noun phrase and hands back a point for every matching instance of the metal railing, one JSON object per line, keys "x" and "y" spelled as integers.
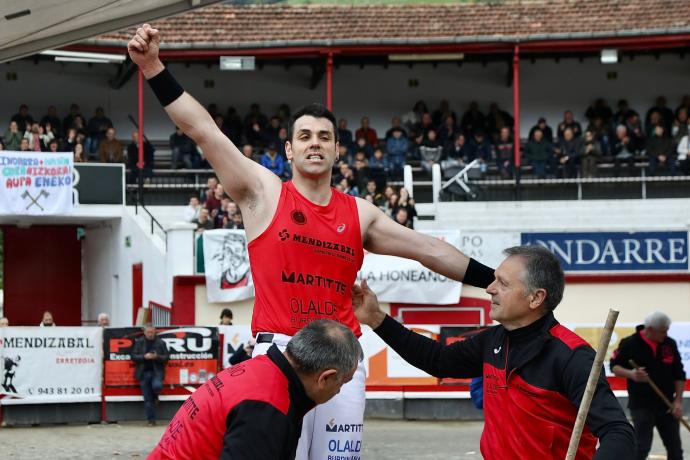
{"x": 155, "y": 227}
{"x": 160, "y": 314}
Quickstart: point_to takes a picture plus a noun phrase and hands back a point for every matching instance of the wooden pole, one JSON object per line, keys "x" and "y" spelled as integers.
{"x": 591, "y": 384}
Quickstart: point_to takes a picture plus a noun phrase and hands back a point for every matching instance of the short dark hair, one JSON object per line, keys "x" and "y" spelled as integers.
{"x": 315, "y": 110}
{"x": 325, "y": 344}
{"x": 543, "y": 271}
{"x": 226, "y": 312}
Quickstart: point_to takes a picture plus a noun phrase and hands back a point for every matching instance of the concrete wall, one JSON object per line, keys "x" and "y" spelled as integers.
{"x": 548, "y": 88}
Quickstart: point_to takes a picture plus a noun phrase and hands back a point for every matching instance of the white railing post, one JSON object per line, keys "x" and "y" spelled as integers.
{"x": 436, "y": 182}
{"x": 407, "y": 180}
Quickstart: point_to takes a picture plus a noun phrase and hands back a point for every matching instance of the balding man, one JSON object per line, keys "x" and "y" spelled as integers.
{"x": 255, "y": 409}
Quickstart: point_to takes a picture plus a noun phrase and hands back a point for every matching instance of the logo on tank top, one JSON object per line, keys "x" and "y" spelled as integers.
{"x": 330, "y": 248}
{"x": 298, "y": 217}
{"x": 341, "y": 228}
{"x": 334, "y": 427}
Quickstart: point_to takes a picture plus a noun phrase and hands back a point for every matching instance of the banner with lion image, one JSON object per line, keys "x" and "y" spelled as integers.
{"x": 226, "y": 260}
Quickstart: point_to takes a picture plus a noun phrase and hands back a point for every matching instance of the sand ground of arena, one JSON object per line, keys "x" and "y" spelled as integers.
{"x": 383, "y": 440}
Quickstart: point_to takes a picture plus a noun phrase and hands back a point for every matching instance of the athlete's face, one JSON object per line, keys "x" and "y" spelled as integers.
{"x": 312, "y": 149}
{"x": 512, "y": 304}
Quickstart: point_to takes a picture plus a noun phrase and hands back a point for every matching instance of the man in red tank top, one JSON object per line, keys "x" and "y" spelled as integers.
{"x": 306, "y": 240}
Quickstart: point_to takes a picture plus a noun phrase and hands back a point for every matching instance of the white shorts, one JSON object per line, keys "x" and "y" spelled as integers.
{"x": 333, "y": 430}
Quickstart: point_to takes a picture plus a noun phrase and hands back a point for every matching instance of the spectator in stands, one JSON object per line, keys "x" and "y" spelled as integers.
{"x": 655, "y": 119}
{"x": 397, "y": 146}
{"x": 34, "y": 136}
{"x": 407, "y": 203}
{"x": 680, "y": 125}
{"x": 431, "y": 151}
{"x": 78, "y": 151}
{"x": 569, "y": 123}
{"x": 661, "y": 152}
{"x": 396, "y": 125}
{"x": 204, "y": 221}
{"x": 78, "y": 124}
{"x": 13, "y": 136}
{"x": 51, "y": 118}
{"x": 4, "y": 322}
{"x": 191, "y": 212}
{"x": 347, "y": 187}
{"x": 226, "y": 317}
{"x": 68, "y": 121}
{"x": 183, "y": 149}
{"x": 599, "y": 109}
{"x": 269, "y": 134}
{"x": 624, "y": 112}
{"x": 110, "y": 149}
{"x": 248, "y": 151}
{"x": 496, "y": 120}
{"x": 344, "y": 134}
{"x": 361, "y": 145}
{"x": 362, "y": 171}
{"x": 233, "y": 126}
{"x": 568, "y": 152}
{"x": 103, "y": 320}
{"x": 546, "y": 131}
{"x": 273, "y": 162}
{"x": 96, "y": 129}
{"x": 602, "y": 134}
{"x": 665, "y": 116}
{"x": 590, "y": 153}
{"x": 47, "y": 320}
{"x": 371, "y": 189}
{"x": 133, "y": 157}
{"x": 69, "y": 141}
{"x": 683, "y": 151}
{"x": 24, "y": 145}
{"x": 282, "y": 138}
{"x": 238, "y": 221}
{"x": 473, "y": 120}
{"x": 211, "y": 184}
{"x": 443, "y": 111}
{"x": 379, "y": 168}
{"x": 636, "y": 133}
{"x": 448, "y": 131}
{"x": 422, "y": 128}
{"x": 243, "y": 352}
{"x": 539, "y": 153}
{"x": 213, "y": 200}
{"x": 150, "y": 355}
{"x": 53, "y": 146}
{"x": 391, "y": 205}
{"x": 505, "y": 153}
{"x": 47, "y": 134}
{"x": 221, "y": 217}
{"x": 623, "y": 150}
{"x": 456, "y": 153}
{"x": 414, "y": 116}
{"x": 479, "y": 148}
{"x": 254, "y": 117}
{"x": 367, "y": 132}
{"x": 23, "y": 119}
{"x": 402, "y": 217}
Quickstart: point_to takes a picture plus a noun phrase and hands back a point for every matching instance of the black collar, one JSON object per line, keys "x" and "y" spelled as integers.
{"x": 533, "y": 330}
{"x": 298, "y": 395}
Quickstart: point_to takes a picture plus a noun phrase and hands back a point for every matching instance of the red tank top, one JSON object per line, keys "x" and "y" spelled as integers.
{"x": 305, "y": 263}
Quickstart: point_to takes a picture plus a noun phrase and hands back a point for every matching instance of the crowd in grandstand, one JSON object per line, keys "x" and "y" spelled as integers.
{"x": 622, "y": 138}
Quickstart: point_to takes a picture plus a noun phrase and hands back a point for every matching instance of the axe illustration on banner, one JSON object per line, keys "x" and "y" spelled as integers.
{"x": 34, "y": 200}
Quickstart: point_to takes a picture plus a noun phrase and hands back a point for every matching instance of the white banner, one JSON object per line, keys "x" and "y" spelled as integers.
{"x": 35, "y": 183}
{"x": 395, "y": 279}
{"x": 233, "y": 338}
{"x": 226, "y": 262}
{"x": 487, "y": 246}
{"x": 51, "y": 364}
{"x": 680, "y": 332}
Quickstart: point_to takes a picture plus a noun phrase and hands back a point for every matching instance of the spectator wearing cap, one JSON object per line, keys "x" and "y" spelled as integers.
{"x": 226, "y": 317}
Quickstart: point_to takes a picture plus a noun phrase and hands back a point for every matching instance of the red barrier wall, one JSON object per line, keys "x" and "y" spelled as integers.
{"x": 42, "y": 269}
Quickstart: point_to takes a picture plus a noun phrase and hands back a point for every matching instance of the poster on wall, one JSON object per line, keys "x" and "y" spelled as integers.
{"x": 35, "y": 183}
{"x": 50, "y": 364}
{"x": 487, "y": 246}
{"x": 615, "y": 251}
{"x": 226, "y": 262}
{"x": 234, "y": 337}
{"x": 193, "y": 355}
{"x": 395, "y": 279}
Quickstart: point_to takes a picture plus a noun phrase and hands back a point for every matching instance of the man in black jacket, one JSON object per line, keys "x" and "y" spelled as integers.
{"x": 658, "y": 359}
{"x": 535, "y": 370}
{"x": 150, "y": 355}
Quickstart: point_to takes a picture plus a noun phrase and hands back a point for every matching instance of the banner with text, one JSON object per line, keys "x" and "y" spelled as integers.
{"x": 193, "y": 355}
{"x": 226, "y": 261}
{"x": 615, "y": 251}
{"x": 35, "y": 183}
{"x": 395, "y": 279}
{"x": 50, "y": 364}
{"x": 234, "y": 337}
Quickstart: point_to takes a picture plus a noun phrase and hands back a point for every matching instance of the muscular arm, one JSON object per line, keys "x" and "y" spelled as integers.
{"x": 253, "y": 187}
{"x": 382, "y": 235}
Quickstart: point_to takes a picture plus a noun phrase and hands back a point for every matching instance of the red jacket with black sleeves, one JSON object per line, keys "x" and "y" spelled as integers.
{"x": 251, "y": 410}
{"x": 534, "y": 380}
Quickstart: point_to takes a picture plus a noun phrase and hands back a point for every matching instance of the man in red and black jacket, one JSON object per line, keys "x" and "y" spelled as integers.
{"x": 535, "y": 370}
{"x": 255, "y": 409}
{"x": 658, "y": 359}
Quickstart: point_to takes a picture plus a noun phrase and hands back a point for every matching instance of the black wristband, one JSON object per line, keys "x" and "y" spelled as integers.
{"x": 478, "y": 274}
{"x": 165, "y": 87}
